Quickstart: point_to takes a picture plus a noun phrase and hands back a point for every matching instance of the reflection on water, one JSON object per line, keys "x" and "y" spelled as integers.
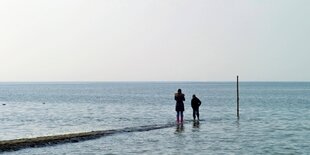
{"x": 196, "y": 124}
{"x": 237, "y": 123}
{"x": 179, "y": 128}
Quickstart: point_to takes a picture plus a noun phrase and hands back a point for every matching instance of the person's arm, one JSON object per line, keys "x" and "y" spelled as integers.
{"x": 192, "y": 103}
{"x": 199, "y": 102}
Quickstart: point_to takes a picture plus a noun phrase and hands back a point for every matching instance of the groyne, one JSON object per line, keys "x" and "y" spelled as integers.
{"x": 17, "y": 144}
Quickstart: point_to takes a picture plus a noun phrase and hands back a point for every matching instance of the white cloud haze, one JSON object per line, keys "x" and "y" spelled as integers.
{"x": 154, "y": 40}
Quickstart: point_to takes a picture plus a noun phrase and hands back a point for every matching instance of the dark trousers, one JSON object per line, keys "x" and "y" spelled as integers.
{"x": 196, "y": 113}
{"x": 179, "y": 114}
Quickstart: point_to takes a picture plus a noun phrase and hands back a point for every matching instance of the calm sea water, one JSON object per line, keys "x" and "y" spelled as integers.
{"x": 274, "y": 117}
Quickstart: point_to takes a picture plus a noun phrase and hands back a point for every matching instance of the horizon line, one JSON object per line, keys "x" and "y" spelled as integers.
{"x": 146, "y": 81}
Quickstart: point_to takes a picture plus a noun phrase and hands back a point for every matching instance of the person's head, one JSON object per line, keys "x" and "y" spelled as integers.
{"x": 194, "y": 96}
{"x": 179, "y": 91}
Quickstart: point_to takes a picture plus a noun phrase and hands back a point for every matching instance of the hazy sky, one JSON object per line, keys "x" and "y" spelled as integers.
{"x": 154, "y": 40}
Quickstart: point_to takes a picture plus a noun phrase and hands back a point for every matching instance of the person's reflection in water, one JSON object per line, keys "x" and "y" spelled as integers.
{"x": 196, "y": 124}
{"x": 179, "y": 128}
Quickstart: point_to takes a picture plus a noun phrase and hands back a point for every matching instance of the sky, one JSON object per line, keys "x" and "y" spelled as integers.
{"x": 154, "y": 40}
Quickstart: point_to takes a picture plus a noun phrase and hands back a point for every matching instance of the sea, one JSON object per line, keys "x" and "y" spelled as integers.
{"x": 274, "y": 117}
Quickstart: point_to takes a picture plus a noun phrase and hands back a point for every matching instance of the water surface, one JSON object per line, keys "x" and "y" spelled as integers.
{"x": 274, "y": 117}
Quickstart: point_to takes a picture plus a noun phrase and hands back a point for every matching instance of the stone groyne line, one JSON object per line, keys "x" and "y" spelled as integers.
{"x": 17, "y": 144}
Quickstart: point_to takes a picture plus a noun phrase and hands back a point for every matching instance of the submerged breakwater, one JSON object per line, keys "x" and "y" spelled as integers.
{"x": 17, "y": 144}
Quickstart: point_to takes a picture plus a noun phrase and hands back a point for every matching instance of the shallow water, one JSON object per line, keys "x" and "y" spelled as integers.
{"x": 274, "y": 117}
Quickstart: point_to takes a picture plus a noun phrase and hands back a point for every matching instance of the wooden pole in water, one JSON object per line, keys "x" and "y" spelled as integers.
{"x": 237, "y": 96}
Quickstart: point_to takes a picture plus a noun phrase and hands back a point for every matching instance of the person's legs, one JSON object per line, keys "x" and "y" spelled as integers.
{"x": 198, "y": 114}
{"x": 194, "y": 115}
{"x": 181, "y": 116}
{"x": 178, "y": 116}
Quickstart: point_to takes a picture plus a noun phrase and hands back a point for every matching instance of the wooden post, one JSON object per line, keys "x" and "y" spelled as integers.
{"x": 237, "y": 96}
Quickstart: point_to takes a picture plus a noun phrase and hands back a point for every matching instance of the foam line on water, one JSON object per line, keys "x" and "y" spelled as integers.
{"x": 17, "y": 144}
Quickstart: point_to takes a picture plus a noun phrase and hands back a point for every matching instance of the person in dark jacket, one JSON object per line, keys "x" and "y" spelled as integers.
{"x": 195, "y": 105}
{"x": 179, "y": 106}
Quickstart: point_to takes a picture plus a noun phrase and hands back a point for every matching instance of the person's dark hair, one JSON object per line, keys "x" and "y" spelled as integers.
{"x": 179, "y": 91}
{"x": 194, "y": 95}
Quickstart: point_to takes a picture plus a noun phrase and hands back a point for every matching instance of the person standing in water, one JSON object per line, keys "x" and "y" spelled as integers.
{"x": 195, "y": 105}
{"x": 179, "y": 107}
